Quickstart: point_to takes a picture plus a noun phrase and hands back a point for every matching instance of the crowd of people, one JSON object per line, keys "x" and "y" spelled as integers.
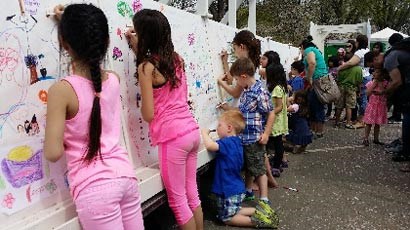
{"x": 274, "y": 112}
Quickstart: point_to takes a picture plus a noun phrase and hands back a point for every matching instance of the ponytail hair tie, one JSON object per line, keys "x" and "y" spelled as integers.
{"x": 97, "y": 94}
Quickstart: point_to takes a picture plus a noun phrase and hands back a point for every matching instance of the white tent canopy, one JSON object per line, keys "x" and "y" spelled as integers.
{"x": 384, "y": 34}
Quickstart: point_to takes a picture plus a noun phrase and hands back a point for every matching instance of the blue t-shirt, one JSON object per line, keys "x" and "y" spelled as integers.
{"x": 228, "y": 166}
{"x": 296, "y": 83}
{"x": 321, "y": 68}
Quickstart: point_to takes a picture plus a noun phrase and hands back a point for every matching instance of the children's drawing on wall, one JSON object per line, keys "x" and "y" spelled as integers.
{"x": 22, "y": 166}
{"x": 25, "y": 181}
{"x": 29, "y": 62}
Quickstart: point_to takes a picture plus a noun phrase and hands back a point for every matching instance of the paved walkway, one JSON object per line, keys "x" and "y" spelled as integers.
{"x": 342, "y": 185}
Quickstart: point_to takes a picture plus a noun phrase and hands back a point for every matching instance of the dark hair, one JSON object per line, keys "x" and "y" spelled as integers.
{"x": 348, "y": 56}
{"x": 394, "y": 38}
{"x": 155, "y": 44}
{"x": 334, "y": 60}
{"x": 353, "y": 43}
{"x": 84, "y": 28}
{"x": 304, "y": 106}
{"x": 307, "y": 42}
{"x": 273, "y": 57}
{"x": 380, "y": 45}
{"x": 298, "y": 65}
{"x": 368, "y": 57}
{"x": 363, "y": 41}
{"x": 242, "y": 66}
{"x": 253, "y": 44}
{"x": 275, "y": 75}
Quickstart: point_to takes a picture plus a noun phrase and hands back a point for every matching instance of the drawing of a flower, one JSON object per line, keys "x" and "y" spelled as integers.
{"x": 136, "y": 5}
{"x": 8, "y": 200}
{"x": 51, "y": 186}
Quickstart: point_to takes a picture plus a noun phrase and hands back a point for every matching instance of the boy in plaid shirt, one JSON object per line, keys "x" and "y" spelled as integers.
{"x": 256, "y": 107}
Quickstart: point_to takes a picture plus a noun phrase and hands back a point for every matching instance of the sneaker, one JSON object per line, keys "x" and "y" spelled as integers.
{"x": 284, "y": 164}
{"x": 265, "y": 208}
{"x": 262, "y": 221}
{"x": 249, "y": 196}
{"x": 275, "y": 172}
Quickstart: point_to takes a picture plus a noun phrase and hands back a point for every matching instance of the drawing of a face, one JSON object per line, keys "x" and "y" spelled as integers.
{"x": 20, "y": 129}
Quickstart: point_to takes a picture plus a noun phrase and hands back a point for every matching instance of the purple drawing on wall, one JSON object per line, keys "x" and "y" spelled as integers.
{"x": 21, "y": 167}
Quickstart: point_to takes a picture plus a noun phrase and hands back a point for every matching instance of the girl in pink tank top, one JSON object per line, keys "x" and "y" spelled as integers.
{"x": 83, "y": 122}
{"x": 164, "y": 95}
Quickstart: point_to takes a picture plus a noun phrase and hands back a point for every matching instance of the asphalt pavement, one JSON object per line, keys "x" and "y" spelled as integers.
{"x": 341, "y": 185}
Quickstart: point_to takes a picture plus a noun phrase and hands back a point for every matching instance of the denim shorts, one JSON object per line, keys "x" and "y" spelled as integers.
{"x": 316, "y": 108}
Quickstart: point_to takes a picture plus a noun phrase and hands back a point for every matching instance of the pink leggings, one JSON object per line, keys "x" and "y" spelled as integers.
{"x": 178, "y": 159}
{"x": 109, "y": 204}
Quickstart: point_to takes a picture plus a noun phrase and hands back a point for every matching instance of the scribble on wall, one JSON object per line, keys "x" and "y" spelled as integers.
{"x": 22, "y": 167}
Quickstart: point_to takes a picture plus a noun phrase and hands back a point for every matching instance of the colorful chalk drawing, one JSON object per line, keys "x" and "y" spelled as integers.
{"x": 22, "y": 167}
{"x": 136, "y": 5}
{"x": 29, "y": 63}
{"x": 124, "y": 9}
{"x": 8, "y": 201}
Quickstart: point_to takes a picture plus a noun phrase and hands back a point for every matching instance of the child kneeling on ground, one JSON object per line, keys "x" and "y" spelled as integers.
{"x": 228, "y": 185}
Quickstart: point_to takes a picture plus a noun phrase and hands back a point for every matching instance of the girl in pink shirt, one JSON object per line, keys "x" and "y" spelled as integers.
{"x": 172, "y": 127}
{"x": 83, "y": 122}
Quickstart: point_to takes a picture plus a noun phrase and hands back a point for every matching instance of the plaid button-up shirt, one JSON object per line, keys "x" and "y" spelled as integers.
{"x": 255, "y": 104}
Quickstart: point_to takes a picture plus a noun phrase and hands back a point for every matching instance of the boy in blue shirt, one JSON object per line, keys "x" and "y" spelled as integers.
{"x": 256, "y": 106}
{"x": 228, "y": 185}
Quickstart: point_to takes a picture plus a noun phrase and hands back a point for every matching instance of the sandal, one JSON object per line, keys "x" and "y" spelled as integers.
{"x": 366, "y": 142}
{"x": 349, "y": 126}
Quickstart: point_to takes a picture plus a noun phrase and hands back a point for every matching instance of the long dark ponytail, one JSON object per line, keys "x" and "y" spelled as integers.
{"x": 84, "y": 28}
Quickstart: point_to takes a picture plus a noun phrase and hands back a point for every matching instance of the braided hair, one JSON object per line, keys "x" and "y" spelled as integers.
{"x": 253, "y": 44}
{"x": 84, "y": 28}
{"x": 155, "y": 44}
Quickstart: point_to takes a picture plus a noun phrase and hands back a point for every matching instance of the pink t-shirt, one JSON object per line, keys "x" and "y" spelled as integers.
{"x": 115, "y": 161}
{"x": 172, "y": 117}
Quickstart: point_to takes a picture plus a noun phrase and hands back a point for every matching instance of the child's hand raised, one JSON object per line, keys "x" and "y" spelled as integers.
{"x": 132, "y": 40}
{"x": 58, "y": 12}
{"x": 224, "y": 56}
{"x": 223, "y": 78}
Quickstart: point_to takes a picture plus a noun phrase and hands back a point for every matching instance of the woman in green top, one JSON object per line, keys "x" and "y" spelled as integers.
{"x": 276, "y": 82}
{"x": 315, "y": 68}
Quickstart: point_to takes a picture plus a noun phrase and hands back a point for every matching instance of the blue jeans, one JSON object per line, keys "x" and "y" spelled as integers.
{"x": 406, "y": 133}
{"x": 317, "y": 109}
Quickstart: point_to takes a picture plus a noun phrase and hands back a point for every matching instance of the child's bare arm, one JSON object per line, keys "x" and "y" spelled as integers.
{"x": 210, "y": 145}
{"x": 268, "y": 128}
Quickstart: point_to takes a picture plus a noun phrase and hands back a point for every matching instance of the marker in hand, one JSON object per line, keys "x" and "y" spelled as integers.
{"x": 220, "y": 104}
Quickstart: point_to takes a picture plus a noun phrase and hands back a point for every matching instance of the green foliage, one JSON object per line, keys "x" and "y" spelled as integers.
{"x": 287, "y": 21}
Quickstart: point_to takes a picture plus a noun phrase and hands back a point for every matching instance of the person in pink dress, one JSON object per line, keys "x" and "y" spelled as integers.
{"x": 376, "y": 110}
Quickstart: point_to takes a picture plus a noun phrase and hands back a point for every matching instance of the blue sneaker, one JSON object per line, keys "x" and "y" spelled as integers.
{"x": 249, "y": 196}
